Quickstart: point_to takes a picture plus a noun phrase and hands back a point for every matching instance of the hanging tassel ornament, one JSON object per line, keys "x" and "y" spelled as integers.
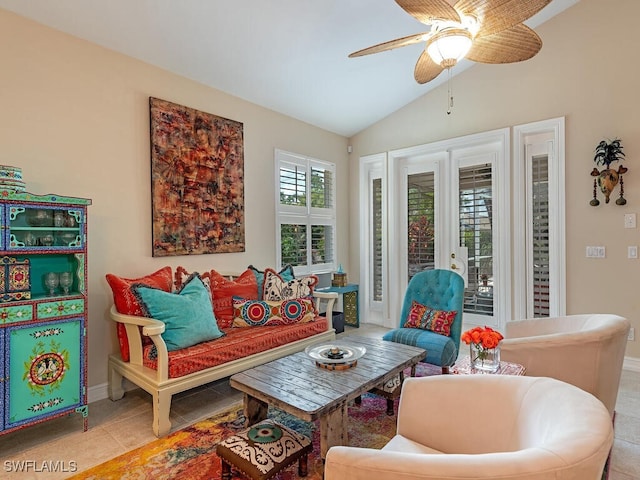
{"x": 595, "y": 202}
{"x": 621, "y": 200}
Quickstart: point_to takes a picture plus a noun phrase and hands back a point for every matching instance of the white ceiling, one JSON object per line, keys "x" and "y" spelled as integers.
{"x": 287, "y": 55}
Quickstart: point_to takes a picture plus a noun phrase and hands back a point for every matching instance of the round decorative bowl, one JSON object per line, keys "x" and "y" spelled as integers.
{"x": 335, "y": 353}
{"x": 11, "y": 179}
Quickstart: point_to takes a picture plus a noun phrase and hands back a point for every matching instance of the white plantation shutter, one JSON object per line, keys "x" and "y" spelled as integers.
{"x": 321, "y": 187}
{"x": 540, "y": 235}
{"x": 377, "y": 244}
{"x": 293, "y": 184}
{"x": 476, "y": 234}
{"x": 420, "y": 225}
{"x": 305, "y": 213}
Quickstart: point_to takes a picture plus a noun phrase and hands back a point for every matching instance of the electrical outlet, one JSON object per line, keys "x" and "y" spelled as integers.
{"x": 632, "y": 335}
{"x": 596, "y": 252}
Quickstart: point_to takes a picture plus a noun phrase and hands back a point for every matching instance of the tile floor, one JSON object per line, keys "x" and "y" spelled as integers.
{"x": 117, "y": 427}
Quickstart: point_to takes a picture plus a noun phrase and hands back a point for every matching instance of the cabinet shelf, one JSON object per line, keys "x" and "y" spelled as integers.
{"x": 46, "y": 229}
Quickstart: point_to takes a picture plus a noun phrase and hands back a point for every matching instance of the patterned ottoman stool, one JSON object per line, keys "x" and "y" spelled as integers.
{"x": 262, "y": 450}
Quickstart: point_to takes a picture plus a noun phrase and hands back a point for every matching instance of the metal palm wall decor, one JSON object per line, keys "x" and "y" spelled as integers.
{"x": 607, "y": 179}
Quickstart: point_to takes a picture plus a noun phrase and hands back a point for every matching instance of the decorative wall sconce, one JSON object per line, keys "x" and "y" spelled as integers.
{"x": 608, "y": 178}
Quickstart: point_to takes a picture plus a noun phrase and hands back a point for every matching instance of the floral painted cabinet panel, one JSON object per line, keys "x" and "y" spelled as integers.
{"x": 43, "y": 308}
{"x": 45, "y": 366}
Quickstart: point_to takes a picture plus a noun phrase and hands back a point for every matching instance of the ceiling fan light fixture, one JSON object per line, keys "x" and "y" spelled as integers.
{"x": 448, "y": 46}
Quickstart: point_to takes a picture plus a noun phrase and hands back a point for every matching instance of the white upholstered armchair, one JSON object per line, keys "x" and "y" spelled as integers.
{"x": 486, "y": 426}
{"x": 584, "y": 350}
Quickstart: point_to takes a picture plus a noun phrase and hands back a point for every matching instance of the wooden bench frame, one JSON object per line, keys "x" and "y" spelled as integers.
{"x": 162, "y": 388}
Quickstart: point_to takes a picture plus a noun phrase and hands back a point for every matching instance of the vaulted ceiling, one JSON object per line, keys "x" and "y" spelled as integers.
{"x": 286, "y": 55}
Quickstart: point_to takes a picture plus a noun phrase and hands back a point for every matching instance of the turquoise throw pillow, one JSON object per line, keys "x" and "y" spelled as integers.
{"x": 286, "y": 273}
{"x": 188, "y": 314}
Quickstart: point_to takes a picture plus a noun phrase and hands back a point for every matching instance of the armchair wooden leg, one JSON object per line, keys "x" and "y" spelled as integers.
{"x": 445, "y": 370}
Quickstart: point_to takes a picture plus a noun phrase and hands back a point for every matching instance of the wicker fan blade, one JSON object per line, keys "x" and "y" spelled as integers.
{"x": 426, "y": 69}
{"x": 513, "y": 45}
{"x": 390, "y": 45}
{"x": 497, "y": 15}
{"x": 426, "y": 11}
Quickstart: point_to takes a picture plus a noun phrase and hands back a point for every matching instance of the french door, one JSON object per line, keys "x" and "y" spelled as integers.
{"x": 450, "y": 209}
{"x": 448, "y": 205}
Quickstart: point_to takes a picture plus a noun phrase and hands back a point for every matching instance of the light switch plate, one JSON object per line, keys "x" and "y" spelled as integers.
{"x": 632, "y": 251}
{"x": 629, "y": 220}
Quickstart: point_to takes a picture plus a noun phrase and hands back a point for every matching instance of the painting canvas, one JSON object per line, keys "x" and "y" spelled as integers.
{"x": 197, "y": 181}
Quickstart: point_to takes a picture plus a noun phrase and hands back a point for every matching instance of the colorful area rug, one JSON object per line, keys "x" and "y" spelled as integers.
{"x": 189, "y": 454}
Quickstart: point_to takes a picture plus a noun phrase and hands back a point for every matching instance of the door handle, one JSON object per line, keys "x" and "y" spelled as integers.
{"x": 453, "y": 266}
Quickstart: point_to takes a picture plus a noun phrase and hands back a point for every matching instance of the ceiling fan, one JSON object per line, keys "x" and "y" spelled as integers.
{"x": 485, "y": 31}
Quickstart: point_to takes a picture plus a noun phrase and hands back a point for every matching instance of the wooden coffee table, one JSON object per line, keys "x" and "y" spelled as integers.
{"x": 298, "y": 386}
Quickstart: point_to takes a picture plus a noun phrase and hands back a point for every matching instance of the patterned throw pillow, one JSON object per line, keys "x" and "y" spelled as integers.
{"x": 187, "y": 314}
{"x": 254, "y": 313}
{"x": 127, "y": 303}
{"x": 182, "y": 276}
{"x": 286, "y": 274}
{"x": 223, "y": 290}
{"x": 276, "y": 288}
{"x": 425, "y": 318}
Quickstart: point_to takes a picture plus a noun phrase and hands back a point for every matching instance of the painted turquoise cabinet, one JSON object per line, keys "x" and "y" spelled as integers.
{"x": 43, "y": 308}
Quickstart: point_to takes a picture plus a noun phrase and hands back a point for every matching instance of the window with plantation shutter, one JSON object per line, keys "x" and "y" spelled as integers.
{"x": 540, "y": 235}
{"x": 305, "y": 213}
{"x": 377, "y": 244}
{"x": 420, "y": 222}
{"x": 539, "y": 260}
{"x": 476, "y": 234}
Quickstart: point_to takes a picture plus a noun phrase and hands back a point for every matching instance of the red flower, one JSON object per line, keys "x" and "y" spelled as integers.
{"x": 485, "y": 337}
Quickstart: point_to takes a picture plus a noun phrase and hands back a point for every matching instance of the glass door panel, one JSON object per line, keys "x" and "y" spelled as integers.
{"x": 420, "y": 222}
{"x": 476, "y": 235}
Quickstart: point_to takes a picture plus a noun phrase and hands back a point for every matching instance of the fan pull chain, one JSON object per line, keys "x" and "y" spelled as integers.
{"x": 449, "y": 92}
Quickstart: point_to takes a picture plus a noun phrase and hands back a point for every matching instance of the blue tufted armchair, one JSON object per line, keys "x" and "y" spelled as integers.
{"x": 440, "y": 290}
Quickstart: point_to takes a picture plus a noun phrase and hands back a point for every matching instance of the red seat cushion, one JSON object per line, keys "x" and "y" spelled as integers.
{"x": 237, "y": 343}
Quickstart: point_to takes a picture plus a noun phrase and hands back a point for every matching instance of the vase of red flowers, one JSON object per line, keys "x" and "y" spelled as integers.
{"x": 484, "y": 348}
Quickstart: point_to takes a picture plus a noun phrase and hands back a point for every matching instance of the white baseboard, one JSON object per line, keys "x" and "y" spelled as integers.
{"x": 100, "y": 392}
{"x": 632, "y": 364}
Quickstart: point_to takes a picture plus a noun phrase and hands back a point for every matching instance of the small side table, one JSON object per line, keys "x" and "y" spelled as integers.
{"x": 463, "y": 367}
{"x": 349, "y": 299}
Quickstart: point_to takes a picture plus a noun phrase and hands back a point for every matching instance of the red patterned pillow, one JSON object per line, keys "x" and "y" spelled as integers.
{"x": 426, "y": 318}
{"x": 223, "y": 290}
{"x": 260, "y": 313}
{"x": 127, "y": 303}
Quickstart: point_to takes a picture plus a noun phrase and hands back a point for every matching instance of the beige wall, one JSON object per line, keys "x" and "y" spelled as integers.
{"x": 75, "y": 118}
{"x": 588, "y": 72}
